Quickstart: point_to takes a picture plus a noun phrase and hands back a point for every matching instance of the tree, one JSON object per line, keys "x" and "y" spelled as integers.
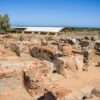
{"x": 4, "y": 23}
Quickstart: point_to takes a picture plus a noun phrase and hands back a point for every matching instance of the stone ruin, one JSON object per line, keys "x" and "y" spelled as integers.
{"x": 39, "y": 69}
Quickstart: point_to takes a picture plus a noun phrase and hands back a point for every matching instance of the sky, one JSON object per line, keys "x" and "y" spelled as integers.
{"x": 78, "y": 13}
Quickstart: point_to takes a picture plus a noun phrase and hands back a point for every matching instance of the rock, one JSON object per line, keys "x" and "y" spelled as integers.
{"x": 98, "y": 64}
{"x": 35, "y": 77}
{"x": 96, "y": 92}
{"x": 48, "y": 96}
{"x": 75, "y": 96}
{"x": 87, "y": 91}
{"x": 69, "y": 63}
{"x": 67, "y": 50}
{"x": 70, "y": 41}
{"x": 97, "y": 47}
{"x": 15, "y": 49}
{"x": 42, "y": 53}
{"x": 36, "y": 41}
{"x": 5, "y": 53}
{"x": 44, "y": 42}
{"x": 79, "y": 61}
{"x": 84, "y": 43}
{"x": 82, "y": 94}
{"x": 58, "y": 66}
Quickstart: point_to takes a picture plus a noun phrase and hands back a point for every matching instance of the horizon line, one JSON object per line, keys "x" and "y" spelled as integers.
{"x": 24, "y": 25}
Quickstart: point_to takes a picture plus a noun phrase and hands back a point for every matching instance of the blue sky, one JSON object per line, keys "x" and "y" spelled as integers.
{"x": 52, "y": 12}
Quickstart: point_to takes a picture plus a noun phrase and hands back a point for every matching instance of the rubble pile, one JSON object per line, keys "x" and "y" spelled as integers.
{"x": 49, "y": 69}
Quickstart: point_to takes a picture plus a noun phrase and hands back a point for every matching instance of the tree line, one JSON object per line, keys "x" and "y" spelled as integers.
{"x": 72, "y": 29}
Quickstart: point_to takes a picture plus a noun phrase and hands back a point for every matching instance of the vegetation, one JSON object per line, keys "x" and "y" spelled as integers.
{"x": 71, "y": 29}
{"x": 4, "y": 23}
